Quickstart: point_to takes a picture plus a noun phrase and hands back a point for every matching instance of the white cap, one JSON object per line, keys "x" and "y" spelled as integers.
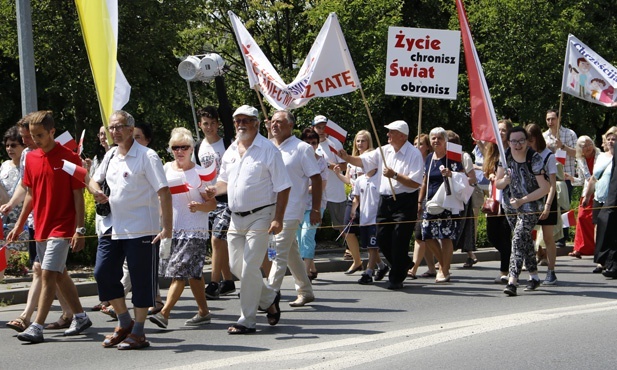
{"x": 398, "y": 126}
{"x": 247, "y": 110}
{"x": 319, "y": 119}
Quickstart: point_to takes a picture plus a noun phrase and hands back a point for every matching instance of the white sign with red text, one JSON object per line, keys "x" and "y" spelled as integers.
{"x": 422, "y": 62}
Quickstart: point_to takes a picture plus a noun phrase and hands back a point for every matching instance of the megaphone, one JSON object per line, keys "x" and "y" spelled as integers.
{"x": 205, "y": 69}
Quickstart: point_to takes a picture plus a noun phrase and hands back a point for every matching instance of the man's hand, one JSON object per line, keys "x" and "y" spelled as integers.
{"x": 275, "y": 227}
{"x": 100, "y": 197}
{"x": 388, "y": 172}
{"x": 162, "y": 235}
{"x": 315, "y": 216}
{"x": 12, "y": 236}
{"x": 6, "y": 208}
{"x": 77, "y": 242}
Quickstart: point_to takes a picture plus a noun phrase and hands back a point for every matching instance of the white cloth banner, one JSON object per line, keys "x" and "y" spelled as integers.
{"x": 328, "y": 70}
{"x": 122, "y": 89}
{"x": 587, "y": 75}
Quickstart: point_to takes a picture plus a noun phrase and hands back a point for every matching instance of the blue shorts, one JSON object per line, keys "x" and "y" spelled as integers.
{"x": 368, "y": 236}
{"x": 219, "y": 220}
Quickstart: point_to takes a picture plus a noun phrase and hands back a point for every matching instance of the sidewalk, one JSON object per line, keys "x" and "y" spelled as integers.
{"x": 15, "y": 290}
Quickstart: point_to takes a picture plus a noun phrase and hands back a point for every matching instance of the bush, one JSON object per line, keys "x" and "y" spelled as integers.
{"x": 87, "y": 256}
{"x": 18, "y": 263}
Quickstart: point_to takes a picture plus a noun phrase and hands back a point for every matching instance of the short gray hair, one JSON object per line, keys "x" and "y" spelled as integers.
{"x": 127, "y": 117}
{"x": 439, "y": 131}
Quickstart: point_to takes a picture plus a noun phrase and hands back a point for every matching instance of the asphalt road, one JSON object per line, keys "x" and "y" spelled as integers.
{"x": 466, "y": 324}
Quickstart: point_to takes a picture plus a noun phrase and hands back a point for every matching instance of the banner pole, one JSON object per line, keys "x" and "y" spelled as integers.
{"x": 559, "y": 114}
{"x": 265, "y": 112}
{"x": 419, "y": 120}
{"x": 383, "y": 158}
{"x": 188, "y": 86}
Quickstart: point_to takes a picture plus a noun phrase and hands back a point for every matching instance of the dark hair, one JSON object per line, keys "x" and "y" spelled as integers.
{"x": 516, "y": 129}
{"x": 308, "y": 134}
{"x": 43, "y": 118}
{"x": 208, "y": 112}
{"x": 453, "y": 137}
{"x": 13, "y": 135}
{"x": 147, "y": 130}
{"x": 536, "y": 133}
{"x": 552, "y": 110}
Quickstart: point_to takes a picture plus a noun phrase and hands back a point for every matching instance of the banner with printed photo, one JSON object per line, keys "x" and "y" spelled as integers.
{"x": 422, "y": 62}
{"x": 587, "y": 75}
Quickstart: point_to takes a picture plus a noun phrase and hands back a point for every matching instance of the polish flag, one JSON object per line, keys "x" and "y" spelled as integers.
{"x": 454, "y": 152}
{"x": 177, "y": 186}
{"x": 333, "y": 149}
{"x": 336, "y": 131}
{"x": 80, "y": 147}
{"x": 560, "y": 155}
{"x": 3, "y": 256}
{"x": 568, "y": 219}
{"x": 67, "y": 140}
{"x": 207, "y": 174}
{"x": 74, "y": 170}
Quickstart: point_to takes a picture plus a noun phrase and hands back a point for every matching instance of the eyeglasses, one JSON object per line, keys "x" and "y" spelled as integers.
{"x": 244, "y": 120}
{"x": 12, "y": 145}
{"x": 184, "y": 148}
{"x": 521, "y": 142}
{"x": 117, "y": 127}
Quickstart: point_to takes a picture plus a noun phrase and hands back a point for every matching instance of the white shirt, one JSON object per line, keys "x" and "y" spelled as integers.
{"x": 368, "y": 191}
{"x": 335, "y": 188}
{"x": 407, "y": 161}
{"x": 300, "y": 162}
{"x": 134, "y": 180}
{"x": 323, "y": 172}
{"x": 551, "y": 163}
{"x": 254, "y": 179}
{"x": 187, "y": 224}
{"x": 209, "y": 153}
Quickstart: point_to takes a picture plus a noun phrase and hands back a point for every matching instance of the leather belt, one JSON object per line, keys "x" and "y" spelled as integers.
{"x": 244, "y": 214}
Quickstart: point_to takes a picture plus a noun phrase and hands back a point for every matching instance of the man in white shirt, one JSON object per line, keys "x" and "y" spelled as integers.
{"x": 301, "y": 165}
{"x": 254, "y": 177}
{"x": 404, "y": 169}
{"x": 335, "y": 188}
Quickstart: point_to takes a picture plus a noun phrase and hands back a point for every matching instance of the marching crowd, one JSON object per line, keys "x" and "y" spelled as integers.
{"x": 260, "y": 199}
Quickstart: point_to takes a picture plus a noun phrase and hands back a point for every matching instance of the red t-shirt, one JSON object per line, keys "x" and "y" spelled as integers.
{"x": 52, "y": 191}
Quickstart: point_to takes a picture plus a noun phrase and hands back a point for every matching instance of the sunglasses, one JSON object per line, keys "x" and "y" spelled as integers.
{"x": 184, "y": 148}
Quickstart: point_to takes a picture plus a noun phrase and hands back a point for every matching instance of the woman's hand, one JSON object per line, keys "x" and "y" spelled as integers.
{"x": 516, "y": 203}
{"x": 544, "y": 214}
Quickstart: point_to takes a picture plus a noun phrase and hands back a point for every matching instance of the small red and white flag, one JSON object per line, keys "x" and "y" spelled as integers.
{"x": 560, "y": 155}
{"x": 568, "y": 219}
{"x": 207, "y": 174}
{"x": 3, "y": 257}
{"x": 454, "y": 152}
{"x": 336, "y": 131}
{"x": 74, "y": 170}
{"x": 333, "y": 149}
{"x": 177, "y": 186}
{"x": 67, "y": 140}
{"x": 80, "y": 147}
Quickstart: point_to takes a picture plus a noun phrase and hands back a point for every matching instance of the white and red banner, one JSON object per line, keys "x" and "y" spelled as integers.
{"x": 483, "y": 119}
{"x": 67, "y": 140}
{"x": 74, "y": 170}
{"x": 328, "y": 69}
{"x": 80, "y": 146}
{"x": 568, "y": 219}
{"x": 422, "y": 62}
{"x": 587, "y": 75}
{"x": 336, "y": 131}
{"x": 454, "y": 152}
{"x": 177, "y": 186}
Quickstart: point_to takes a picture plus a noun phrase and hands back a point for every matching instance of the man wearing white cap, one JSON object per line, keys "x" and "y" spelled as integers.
{"x": 404, "y": 169}
{"x": 257, "y": 185}
{"x": 335, "y": 188}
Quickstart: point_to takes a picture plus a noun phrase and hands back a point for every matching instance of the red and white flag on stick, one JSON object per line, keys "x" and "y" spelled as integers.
{"x": 80, "y": 147}
{"x": 336, "y": 131}
{"x": 560, "y": 156}
{"x": 483, "y": 119}
{"x": 568, "y": 219}
{"x": 74, "y": 170}
{"x": 454, "y": 152}
{"x": 207, "y": 174}
{"x": 3, "y": 256}
{"x": 67, "y": 140}
{"x": 177, "y": 186}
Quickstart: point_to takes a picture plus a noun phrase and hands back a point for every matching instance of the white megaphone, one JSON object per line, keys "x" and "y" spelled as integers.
{"x": 205, "y": 69}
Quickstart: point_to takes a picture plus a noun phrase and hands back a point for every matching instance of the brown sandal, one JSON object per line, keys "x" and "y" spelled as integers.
{"x": 62, "y": 323}
{"x": 118, "y": 336}
{"x": 133, "y": 341}
{"x": 19, "y": 324}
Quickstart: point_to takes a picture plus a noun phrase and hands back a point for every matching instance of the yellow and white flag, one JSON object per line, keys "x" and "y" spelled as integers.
{"x": 99, "y": 25}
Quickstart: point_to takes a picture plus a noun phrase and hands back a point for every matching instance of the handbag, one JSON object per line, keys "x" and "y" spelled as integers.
{"x": 104, "y": 209}
{"x": 433, "y": 206}
{"x": 491, "y": 204}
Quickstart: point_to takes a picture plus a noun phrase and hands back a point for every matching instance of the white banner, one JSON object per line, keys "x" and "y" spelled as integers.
{"x": 422, "y": 62}
{"x": 327, "y": 70}
{"x": 587, "y": 75}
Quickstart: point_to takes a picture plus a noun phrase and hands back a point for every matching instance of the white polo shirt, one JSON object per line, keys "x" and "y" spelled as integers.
{"x": 301, "y": 164}
{"x": 407, "y": 161}
{"x": 134, "y": 180}
{"x": 335, "y": 188}
{"x": 254, "y": 179}
{"x": 368, "y": 191}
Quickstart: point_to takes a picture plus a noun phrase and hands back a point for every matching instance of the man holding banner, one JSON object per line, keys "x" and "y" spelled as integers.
{"x": 405, "y": 169}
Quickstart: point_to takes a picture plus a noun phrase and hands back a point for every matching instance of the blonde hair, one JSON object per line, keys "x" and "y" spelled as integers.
{"x": 181, "y": 134}
{"x": 354, "y": 151}
{"x": 580, "y": 142}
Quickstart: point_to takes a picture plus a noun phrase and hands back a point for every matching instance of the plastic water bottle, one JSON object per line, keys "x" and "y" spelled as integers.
{"x": 271, "y": 248}
{"x": 165, "y": 248}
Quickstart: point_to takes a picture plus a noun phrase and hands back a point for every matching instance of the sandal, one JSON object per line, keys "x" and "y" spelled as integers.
{"x": 118, "y": 336}
{"x": 133, "y": 341}
{"x": 100, "y": 306}
{"x": 240, "y": 329}
{"x": 411, "y": 275}
{"x": 62, "y": 323}
{"x": 429, "y": 274}
{"x": 109, "y": 310}
{"x": 273, "y": 318}
{"x": 158, "y": 306}
{"x": 347, "y": 256}
{"x": 19, "y": 324}
{"x": 312, "y": 275}
{"x": 470, "y": 262}
{"x": 575, "y": 254}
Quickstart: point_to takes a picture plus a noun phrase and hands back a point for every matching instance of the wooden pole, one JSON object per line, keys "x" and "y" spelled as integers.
{"x": 383, "y": 158}
{"x": 559, "y": 114}
{"x": 265, "y": 112}
{"x": 419, "y": 120}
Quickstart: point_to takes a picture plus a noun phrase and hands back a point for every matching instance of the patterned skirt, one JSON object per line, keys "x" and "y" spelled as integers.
{"x": 186, "y": 260}
{"x": 440, "y": 226}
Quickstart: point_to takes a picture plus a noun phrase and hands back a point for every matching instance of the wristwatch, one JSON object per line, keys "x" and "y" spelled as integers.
{"x": 81, "y": 230}
{"x": 395, "y": 176}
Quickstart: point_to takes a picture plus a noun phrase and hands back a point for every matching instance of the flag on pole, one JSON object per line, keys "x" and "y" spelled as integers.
{"x": 454, "y": 152}
{"x": 3, "y": 257}
{"x": 67, "y": 140}
{"x": 587, "y": 75}
{"x": 74, "y": 170}
{"x": 483, "y": 119}
{"x": 177, "y": 186}
{"x": 336, "y": 131}
{"x": 568, "y": 219}
{"x": 80, "y": 147}
{"x": 560, "y": 156}
{"x": 207, "y": 174}
{"x": 99, "y": 26}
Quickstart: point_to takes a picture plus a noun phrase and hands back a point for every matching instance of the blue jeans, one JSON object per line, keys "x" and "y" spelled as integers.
{"x": 306, "y": 236}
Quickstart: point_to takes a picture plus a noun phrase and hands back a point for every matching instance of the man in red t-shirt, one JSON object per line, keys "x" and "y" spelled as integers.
{"x": 58, "y": 204}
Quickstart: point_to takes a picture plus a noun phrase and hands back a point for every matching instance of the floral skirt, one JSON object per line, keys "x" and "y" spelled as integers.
{"x": 440, "y": 226}
{"x": 186, "y": 260}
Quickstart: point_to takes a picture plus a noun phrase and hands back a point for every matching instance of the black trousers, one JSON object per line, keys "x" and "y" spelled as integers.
{"x": 394, "y": 230}
{"x": 499, "y": 235}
